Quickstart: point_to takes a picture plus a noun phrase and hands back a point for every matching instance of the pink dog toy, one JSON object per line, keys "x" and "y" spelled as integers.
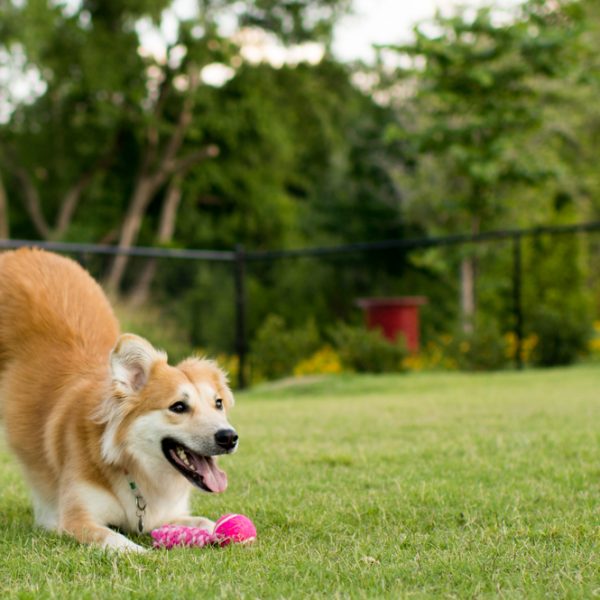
{"x": 234, "y": 528}
{"x": 170, "y": 536}
{"x": 229, "y": 528}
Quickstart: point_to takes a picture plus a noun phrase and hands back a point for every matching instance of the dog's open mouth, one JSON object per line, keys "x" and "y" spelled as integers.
{"x": 202, "y": 471}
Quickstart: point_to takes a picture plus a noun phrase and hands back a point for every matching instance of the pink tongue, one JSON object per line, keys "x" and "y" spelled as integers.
{"x": 212, "y": 477}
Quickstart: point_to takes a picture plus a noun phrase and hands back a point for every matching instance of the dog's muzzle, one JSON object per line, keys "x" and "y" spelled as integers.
{"x": 226, "y": 439}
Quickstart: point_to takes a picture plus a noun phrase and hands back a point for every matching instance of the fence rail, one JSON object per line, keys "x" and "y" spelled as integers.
{"x": 424, "y": 242}
{"x": 240, "y": 257}
{"x": 137, "y": 251}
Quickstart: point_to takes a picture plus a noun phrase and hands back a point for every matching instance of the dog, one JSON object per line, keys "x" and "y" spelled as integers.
{"x": 111, "y": 438}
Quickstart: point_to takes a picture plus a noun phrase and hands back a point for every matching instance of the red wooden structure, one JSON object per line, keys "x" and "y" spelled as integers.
{"x": 394, "y": 316}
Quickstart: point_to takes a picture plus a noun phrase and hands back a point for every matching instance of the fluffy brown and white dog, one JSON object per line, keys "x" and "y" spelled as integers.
{"x": 109, "y": 435}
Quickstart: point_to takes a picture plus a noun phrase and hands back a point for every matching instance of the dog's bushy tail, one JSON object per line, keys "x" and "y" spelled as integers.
{"x": 43, "y": 300}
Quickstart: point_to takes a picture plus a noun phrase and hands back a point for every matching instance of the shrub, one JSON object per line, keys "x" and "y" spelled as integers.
{"x": 276, "y": 349}
{"x": 484, "y": 349}
{"x": 594, "y": 343}
{"x": 528, "y": 345}
{"x": 562, "y": 336}
{"x": 160, "y": 329}
{"x": 367, "y": 351}
{"x": 229, "y": 363}
{"x": 438, "y": 355}
{"x": 556, "y": 299}
{"x": 324, "y": 361}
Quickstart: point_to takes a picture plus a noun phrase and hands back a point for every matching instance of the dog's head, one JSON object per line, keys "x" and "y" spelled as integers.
{"x": 164, "y": 417}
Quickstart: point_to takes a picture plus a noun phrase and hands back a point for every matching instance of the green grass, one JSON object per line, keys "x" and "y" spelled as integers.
{"x": 420, "y": 486}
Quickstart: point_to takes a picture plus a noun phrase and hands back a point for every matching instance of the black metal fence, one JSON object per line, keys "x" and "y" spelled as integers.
{"x": 239, "y": 260}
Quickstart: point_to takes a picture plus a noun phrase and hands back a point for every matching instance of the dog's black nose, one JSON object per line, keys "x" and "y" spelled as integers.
{"x": 226, "y": 438}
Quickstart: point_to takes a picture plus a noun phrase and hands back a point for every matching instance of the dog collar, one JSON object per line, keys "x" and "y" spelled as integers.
{"x": 140, "y": 502}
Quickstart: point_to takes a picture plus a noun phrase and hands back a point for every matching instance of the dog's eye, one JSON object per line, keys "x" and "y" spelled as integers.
{"x": 179, "y": 407}
{"x": 219, "y": 404}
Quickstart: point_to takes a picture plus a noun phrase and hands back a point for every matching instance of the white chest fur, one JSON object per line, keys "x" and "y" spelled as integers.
{"x": 121, "y": 509}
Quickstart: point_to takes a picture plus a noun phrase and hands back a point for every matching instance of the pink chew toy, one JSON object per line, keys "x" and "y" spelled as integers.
{"x": 229, "y": 528}
{"x": 170, "y": 536}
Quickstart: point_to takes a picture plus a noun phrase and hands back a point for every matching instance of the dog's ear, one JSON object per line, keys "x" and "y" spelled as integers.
{"x": 131, "y": 361}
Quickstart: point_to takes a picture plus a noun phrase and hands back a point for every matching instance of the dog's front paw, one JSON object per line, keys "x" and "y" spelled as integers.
{"x": 200, "y": 522}
{"x": 120, "y": 543}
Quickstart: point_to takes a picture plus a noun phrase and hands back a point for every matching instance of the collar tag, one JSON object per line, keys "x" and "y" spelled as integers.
{"x": 140, "y": 503}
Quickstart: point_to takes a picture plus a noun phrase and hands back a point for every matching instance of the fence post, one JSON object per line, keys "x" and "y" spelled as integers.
{"x": 240, "y": 313}
{"x": 517, "y": 298}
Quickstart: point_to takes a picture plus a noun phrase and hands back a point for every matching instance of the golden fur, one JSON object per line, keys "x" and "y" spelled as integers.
{"x": 85, "y": 409}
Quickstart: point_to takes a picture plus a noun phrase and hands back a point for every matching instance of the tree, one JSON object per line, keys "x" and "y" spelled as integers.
{"x": 56, "y": 146}
{"x": 4, "y": 223}
{"x": 301, "y": 163}
{"x": 477, "y": 87}
{"x": 105, "y": 100}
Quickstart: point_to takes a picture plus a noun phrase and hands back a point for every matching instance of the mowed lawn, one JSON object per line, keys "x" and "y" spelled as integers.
{"x": 420, "y": 486}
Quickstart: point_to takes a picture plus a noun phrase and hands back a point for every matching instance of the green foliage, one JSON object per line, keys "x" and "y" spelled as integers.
{"x": 295, "y": 21}
{"x": 496, "y": 124}
{"x": 161, "y": 330}
{"x": 479, "y": 130}
{"x": 479, "y": 83}
{"x": 110, "y": 106}
{"x": 557, "y": 301}
{"x": 562, "y": 336}
{"x": 483, "y": 349}
{"x": 277, "y": 349}
{"x": 366, "y": 350}
{"x": 300, "y": 161}
{"x": 200, "y": 297}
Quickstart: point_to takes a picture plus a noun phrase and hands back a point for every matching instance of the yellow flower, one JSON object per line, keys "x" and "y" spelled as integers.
{"x": 528, "y": 345}
{"x": 594, "y": 345}
{"x": 323, "y": 362}
{"x": 414, "y": 362}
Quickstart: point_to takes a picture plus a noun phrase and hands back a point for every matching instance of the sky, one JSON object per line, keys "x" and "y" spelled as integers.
{"x": 390, "y": 21}
{"x": 372, "y": 22}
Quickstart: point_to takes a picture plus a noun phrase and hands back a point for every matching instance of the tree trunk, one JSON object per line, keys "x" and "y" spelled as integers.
{"x": 4, "y": 223}
{"x": 142, "y": 195}
{"x": 33, "y": 201}
{"x": 156, "y": 169}
{"x": 144, "y": 191}
{"x": 72, "y": 197}
{"x": 467, "y": 293}
{"x": 31, "y": 197}
{"x": 4, "y": 220}
{"x": 468, "y": 286}
{"x": 166, "y": 229}
{"x": 67, "y": 210}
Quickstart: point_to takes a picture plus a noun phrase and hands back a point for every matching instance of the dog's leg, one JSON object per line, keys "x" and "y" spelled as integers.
{"x": 44, "y": 511}
{"x": 188, "y": 521}
{"x": 78, "y": 524}
{"x": 84, "y": 513}
{"x": 43, "y": 498}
